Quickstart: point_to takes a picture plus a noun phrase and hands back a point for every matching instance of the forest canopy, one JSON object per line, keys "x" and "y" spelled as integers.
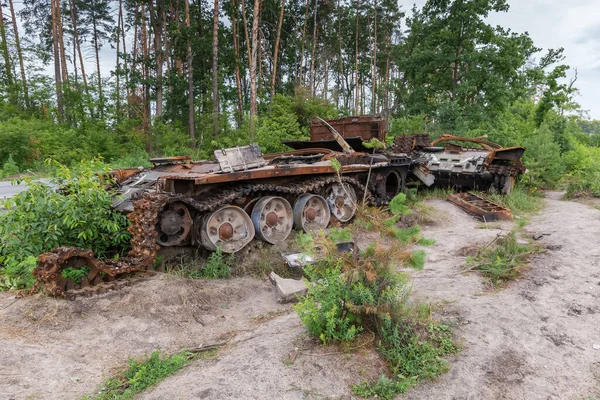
{"x": 191, "y": 76}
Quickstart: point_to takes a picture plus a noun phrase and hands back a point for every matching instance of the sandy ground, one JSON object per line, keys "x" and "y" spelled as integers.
{"x": 533, "y": 340}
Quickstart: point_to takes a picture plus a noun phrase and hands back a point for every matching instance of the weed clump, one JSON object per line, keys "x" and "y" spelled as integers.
{"x": 144, "y": 373}
{"x": 503, "y": 259}
{"x": 350, "y": 294}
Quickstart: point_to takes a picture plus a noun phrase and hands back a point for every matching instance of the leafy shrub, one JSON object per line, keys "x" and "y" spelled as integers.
{"x": 218, "y": 266}
{"x": 348, "y": 295}
{"x": 543, "y": 160}
{"x": 9, "y": 168}
{"x": 41, "y": 218}
{"x": 583, "y": 164}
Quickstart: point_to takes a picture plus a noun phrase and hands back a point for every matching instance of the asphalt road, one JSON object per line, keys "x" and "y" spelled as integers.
{"x": 8, "y": 190}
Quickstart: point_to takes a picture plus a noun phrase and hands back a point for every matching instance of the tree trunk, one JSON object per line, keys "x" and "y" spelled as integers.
{"x": 19, "y": 53}
{"x": 215, "y": 67}
{"x": 78, "y": 44}
{"x": 276, "y": 51}
{"x": 248, "y": 43}
{"x": 97, "y": 53}
{"x": 145, "y": 74}
{"x": 374, "y": 71}
{"x": 325, "y": 77}
{"x": 57, "y": 76}
{"x": 386, "y": 93}
{"x": 167, "y": 53}
{"x": 238, "y": 80}
{"x": 339, "y": 37}
{"x": 311, "y": 82}
{"x": 61, "y": 43}
{"x": 156, "y": 22}
{"x": 255, "y": 44}
{"x": 124, "y": 50}
{"x": 301, "y": 69}
{"x": 118, "y": 67}
{"x": 356, "y": 62}
{"x": 7, "y": 67}
{"x": 191, "y": 120}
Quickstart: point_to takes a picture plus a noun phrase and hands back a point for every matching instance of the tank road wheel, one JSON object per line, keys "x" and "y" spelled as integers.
{"x": 174, "y": 224}
{"x": 229, "y": 228}
{"x": 342, "y": 201}
{"x": 273, "y": 219}
{"x": 311, "y": 213}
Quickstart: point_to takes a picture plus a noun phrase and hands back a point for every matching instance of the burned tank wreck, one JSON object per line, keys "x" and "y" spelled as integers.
{"x": 243, "y": 195}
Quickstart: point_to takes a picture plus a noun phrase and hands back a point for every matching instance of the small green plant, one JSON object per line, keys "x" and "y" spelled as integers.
{"x": 520, "y": 200}
{"x": 144, "y": 373}
{"x": 340, "y": 235}
{"x": 502, "y": 260}
{"x": 417, "y": 259}
{"x": 75, "y": 274}
{"x": 218, "y": 265}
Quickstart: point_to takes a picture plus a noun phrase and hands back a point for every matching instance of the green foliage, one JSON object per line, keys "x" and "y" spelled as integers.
{"x": 543, "y": 160}
{"x": 218, "y": 266}
{"x": 520, "y": 200}
{"x": 338, "y": 235}
{"x": 9, "y": 168}
{"x": 417, "y": 259}
{"x": 349, "y": 295}
{"x": 75, "y": 274}
{"x": 142, "y": 374}
{"x": 398, "y": 205}
{"x": 324, "y": 310}
{"x": 41, "y": 219}
{"x": 502, "y": 260}
{"x": 584, "y": 170}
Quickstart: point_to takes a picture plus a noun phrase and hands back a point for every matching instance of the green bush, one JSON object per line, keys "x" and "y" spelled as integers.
{"x": 348, "y": 295}
{"x": 543, "y": 161}
{"x": 41, "y": 218}
{"x": 583, "y": 164}
{"x": 9, "y": 168}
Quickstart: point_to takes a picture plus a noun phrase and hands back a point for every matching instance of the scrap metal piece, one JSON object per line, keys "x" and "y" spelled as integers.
{"x": 240, "y": 158}
{"x": 480, "y": 207}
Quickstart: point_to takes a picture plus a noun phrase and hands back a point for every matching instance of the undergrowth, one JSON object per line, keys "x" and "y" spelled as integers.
{"x": 350, "y": 294}
{"x": 503, "y": 259}
{"x": 388, "y": 222}
{"x": 217, "y": 266}
{"x": 144, "y": 373}
{"x": 520, "y": 200}
{"x": 41, "y": 218}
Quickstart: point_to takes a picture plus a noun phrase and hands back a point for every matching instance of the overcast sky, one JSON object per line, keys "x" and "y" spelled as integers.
{"x": 572, "y": 24}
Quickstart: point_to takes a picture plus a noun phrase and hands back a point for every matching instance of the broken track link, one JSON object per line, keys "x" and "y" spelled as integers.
{"x": 103, "y": 275}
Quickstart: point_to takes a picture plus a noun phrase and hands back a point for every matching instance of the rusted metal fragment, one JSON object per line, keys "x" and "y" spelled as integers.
{"x": 480, "y": 207}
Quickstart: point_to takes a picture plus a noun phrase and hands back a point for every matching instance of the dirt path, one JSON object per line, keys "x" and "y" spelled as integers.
{"x": 535, "y": 339}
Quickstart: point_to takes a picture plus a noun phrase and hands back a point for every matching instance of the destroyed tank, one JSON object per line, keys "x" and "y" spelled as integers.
{"x": 239, "y": 197}
{"x": 462, "y": 163}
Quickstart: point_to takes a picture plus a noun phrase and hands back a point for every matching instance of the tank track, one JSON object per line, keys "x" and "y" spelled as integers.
{"x": 102, "y": 276}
